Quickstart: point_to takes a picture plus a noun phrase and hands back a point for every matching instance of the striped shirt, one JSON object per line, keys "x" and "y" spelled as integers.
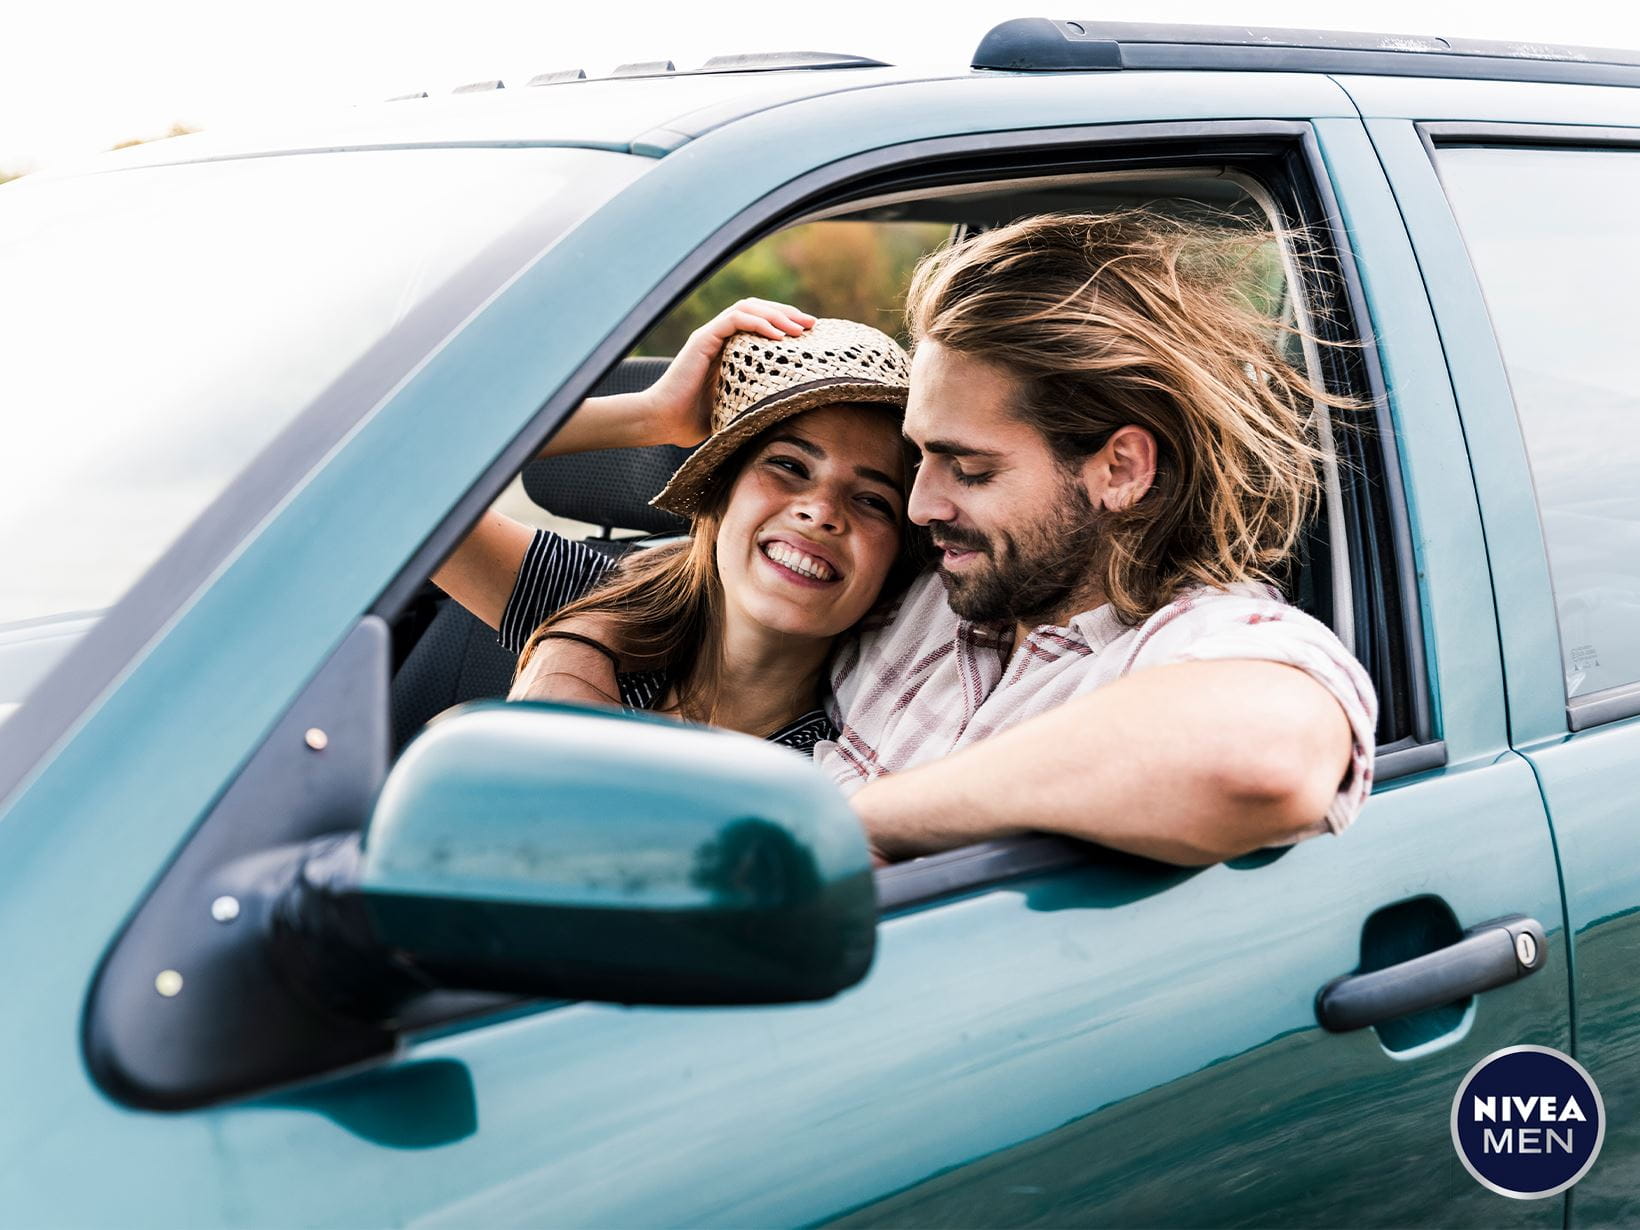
{"x": 928, "y": 683}
{"x": 556, "y": 571}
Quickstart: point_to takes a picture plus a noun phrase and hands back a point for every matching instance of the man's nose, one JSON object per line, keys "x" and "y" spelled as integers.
{"x": 927, "y": 503}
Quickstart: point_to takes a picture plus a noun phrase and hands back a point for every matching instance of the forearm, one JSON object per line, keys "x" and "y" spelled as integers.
{"x": 479, "y": 573}
{"x": 621, "y": 420}
{"x": 1190, "y": 764}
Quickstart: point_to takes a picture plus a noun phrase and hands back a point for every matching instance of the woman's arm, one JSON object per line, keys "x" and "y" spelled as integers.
{"x": 559, "y": 669}
{"x": 676, "y": 409}
{"x": 480, "y": 572}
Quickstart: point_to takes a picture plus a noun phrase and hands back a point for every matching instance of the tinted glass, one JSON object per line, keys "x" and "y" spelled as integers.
{"x": 1553, "y": 237}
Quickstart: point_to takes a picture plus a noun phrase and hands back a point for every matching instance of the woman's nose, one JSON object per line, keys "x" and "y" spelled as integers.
{"x": 818, "y": 510}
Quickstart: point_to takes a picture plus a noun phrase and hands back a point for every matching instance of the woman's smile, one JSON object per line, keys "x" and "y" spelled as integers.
{"x": 799, "y": 561}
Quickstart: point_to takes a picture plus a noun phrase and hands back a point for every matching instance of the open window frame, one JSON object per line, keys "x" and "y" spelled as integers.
{"x": 1279, "y": 163}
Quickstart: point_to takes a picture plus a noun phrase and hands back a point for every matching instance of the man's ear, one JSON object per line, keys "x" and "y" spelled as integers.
{"x": 1118, "y": 475}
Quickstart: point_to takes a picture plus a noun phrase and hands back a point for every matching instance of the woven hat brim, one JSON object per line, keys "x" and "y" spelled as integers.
{"x": 683, "y": 493}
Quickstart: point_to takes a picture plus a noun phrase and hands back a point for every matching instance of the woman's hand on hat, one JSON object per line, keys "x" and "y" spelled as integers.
{"x": 679, "y": 404}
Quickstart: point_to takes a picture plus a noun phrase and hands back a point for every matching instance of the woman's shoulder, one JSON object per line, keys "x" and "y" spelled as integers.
{"x": 555, "y": 571}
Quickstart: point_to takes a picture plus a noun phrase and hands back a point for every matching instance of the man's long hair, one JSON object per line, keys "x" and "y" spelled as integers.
{"x": 1133, "y": 317}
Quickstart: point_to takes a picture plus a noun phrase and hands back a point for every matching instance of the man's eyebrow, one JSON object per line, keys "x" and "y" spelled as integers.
{"x": 950, "y": 448}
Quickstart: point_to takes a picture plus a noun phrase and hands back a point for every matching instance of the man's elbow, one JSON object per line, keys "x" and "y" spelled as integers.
{"x": 1275, "y": 800}
{"x": 1288, "y": 766}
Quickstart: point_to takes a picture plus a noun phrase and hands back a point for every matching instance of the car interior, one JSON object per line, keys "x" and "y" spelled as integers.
{"x": 444, "y": 656}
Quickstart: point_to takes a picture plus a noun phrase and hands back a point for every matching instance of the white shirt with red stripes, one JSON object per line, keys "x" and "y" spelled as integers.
{"x": 928, "y": 683}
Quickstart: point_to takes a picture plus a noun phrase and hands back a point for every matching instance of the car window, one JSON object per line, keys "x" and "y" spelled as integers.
{"x": 855, "y": 261}
{"x": 1551, "y": 234}
{"x": 857, "y": 270}
{"x": 164, "y": 324}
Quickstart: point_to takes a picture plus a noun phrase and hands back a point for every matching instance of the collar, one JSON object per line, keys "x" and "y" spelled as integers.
{"x": 1099, "y": 627}
{"x": 1096, "y": 629}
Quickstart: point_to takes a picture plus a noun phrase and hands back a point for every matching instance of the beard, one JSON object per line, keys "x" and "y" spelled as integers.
{"x": 1032, "y": 573}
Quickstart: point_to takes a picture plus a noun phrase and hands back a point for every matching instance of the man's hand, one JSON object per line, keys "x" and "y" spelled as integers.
{"x": 1191, "y": 763}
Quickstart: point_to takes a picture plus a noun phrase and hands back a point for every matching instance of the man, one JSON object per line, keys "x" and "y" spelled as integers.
{"x": 1114, "y": 463}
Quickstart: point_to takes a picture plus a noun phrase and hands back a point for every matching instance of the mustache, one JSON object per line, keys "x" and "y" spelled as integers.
{"x": 963, "y": 540}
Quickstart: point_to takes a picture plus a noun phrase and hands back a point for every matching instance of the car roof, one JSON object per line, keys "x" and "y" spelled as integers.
{"x": 641, "y": 114}
{"x": 650, "y": 109}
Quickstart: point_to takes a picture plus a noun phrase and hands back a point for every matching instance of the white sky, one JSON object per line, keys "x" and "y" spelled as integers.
{"x": 76, "y": 77}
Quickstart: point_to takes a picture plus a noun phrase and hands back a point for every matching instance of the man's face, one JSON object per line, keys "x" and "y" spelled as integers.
{"x": 1015, "y": 528}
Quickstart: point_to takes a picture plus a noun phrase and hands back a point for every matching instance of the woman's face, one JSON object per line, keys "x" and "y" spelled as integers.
{"x": 812, "y": 524}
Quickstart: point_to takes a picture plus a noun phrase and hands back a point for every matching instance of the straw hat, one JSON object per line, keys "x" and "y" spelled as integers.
{"x": 762, "y": 381}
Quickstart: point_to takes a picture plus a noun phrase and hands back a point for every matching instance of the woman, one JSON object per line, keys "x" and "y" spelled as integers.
{"x": 798, "y": 506}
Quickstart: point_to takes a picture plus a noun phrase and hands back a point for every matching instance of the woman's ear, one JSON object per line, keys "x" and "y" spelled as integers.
{"x": 1118, "y": 475}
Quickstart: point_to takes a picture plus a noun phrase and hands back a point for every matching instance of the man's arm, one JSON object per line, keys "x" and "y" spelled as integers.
{"x": 1190, "y": 763}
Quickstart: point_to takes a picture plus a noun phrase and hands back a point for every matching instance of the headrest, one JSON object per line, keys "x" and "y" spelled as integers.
{"x": 611, "y": 487}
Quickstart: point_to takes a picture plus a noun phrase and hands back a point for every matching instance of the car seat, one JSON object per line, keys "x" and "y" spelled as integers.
{"x": 457, "y": 657}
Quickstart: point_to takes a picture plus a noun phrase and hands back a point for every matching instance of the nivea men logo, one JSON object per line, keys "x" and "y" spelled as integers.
{"x": 1528, "y": 1122}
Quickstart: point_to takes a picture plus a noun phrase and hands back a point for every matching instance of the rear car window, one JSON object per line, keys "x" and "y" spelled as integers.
{"x": 1552, "y": 236}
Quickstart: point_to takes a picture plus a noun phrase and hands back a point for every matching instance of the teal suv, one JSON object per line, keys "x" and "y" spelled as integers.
{"x": 277, "y": 952}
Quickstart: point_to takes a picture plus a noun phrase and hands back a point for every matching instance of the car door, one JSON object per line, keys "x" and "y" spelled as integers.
{"x": 1046, "y": 1037}
{"x": 1520, "y": 206}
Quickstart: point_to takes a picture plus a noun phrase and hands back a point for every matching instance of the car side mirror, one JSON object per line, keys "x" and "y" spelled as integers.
{"x": 514, "y": 850}
{"x": 556, "y": 851}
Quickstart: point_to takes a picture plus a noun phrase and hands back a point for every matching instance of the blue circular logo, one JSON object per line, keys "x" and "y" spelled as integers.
{"x": 1528, "y": 1122}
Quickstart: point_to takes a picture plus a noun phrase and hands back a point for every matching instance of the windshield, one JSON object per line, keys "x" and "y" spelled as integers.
{"x": 161, "y": 326}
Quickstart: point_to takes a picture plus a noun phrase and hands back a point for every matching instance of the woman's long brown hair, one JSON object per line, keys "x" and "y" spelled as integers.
{"x": 662, "y": 608}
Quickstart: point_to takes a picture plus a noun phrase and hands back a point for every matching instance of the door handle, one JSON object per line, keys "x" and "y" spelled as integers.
{"x": 1489, "y": 955}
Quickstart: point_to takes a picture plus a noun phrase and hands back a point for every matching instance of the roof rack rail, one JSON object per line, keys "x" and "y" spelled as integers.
{"x": 558, "y": 76}
{"x": 645, "y": 68}
{"x": 1039, "y": 44}
{"x": 479, "y": 87}
{"x": 751, "y": 62}
{"x": 770, "y": 61}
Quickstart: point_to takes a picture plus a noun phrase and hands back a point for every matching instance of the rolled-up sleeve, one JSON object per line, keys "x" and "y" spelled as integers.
{"x": 1230, "y": 627}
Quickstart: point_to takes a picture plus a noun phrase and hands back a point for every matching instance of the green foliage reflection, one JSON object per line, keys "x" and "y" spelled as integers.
{"x": 852, "y": 270}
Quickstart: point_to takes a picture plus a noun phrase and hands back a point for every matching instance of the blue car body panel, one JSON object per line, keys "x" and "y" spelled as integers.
{"x": 1590, "y": 777}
